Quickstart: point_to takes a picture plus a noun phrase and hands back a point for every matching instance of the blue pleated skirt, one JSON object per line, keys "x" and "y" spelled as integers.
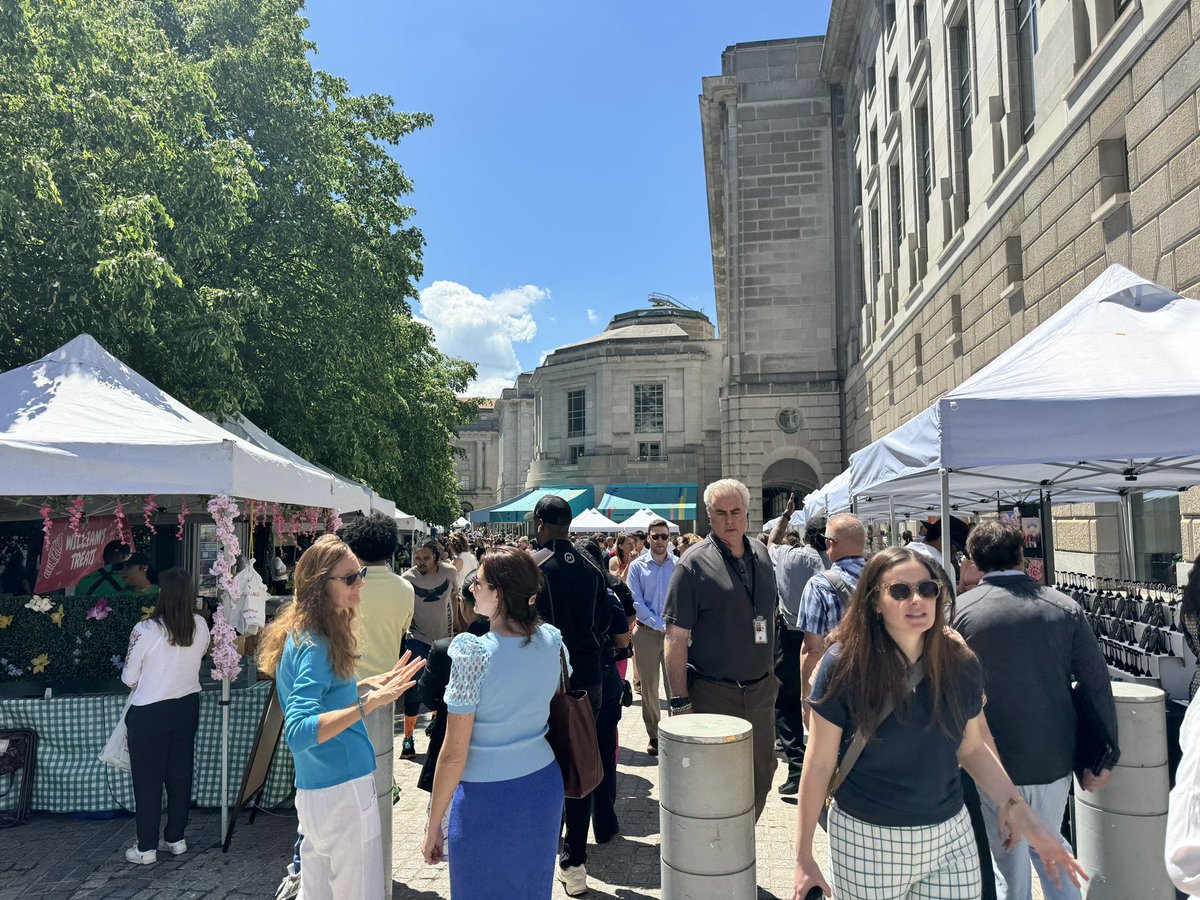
{"x": 503, "y": 837}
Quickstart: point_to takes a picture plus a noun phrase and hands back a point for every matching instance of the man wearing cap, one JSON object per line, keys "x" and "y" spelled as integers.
{"x": 574, "y": 599}
{"x": 720, "y": 615}
{"x": 106, "y": 580}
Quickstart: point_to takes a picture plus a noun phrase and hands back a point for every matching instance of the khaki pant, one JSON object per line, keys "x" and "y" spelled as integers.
{"x": 648, "y": 656}
{"x": 755, "y": 704}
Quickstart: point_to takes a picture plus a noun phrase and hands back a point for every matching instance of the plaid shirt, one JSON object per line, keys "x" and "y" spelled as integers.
{"x": 820, "y": 605}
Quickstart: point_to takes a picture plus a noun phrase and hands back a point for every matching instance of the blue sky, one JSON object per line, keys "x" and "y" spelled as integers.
{"x": 563, "y": 178}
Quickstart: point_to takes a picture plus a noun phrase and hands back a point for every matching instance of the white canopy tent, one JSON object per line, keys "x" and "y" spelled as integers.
{"x": 1097, "y": 402}
{"x": 405, "y": 522}
{"x": 830, "y": 499}
{"x": 592, "y": 520}
{"x": 461, "y": 522}
{"x": 79, "y": 421}
{"x": 797, "y": 522}
{"x": 640, "y": 521}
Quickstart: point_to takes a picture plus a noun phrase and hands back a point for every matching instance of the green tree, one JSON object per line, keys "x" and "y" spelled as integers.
{"x": 178, "y": 180}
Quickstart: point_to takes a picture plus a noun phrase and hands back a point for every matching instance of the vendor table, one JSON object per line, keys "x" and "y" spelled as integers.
{"x": 73, "y": 730}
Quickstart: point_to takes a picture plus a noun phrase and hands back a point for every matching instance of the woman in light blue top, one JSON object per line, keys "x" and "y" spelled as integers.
{"x": 496, "y": 772}
{"x": 310, "y": 650}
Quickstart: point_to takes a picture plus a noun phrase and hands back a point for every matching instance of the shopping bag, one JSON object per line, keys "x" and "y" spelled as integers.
{"x": 116, "y": 750}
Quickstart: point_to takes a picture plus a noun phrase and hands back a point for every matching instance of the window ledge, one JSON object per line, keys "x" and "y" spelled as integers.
{"x": 1110, "y": 206}
{"x": 951, "y": 246}
{"x": 1006, "y": 174}
{"x": 892, "y": 130}
{"x": 1011, "y": 290}
{"x": 1102, "y": 51}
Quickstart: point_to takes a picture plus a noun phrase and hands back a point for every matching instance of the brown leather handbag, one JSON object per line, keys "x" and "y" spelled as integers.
{"x": 572, "y": 736}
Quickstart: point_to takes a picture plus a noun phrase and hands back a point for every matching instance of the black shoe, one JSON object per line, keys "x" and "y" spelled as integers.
{"x": 790, "y": 788}
{"x": 626, "y": 694}
{"x": 652, "y": 748}
{"x": 408, "y": 749}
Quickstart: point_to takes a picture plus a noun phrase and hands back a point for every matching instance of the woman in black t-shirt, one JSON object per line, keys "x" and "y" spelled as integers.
{"x": 897, "y": 825}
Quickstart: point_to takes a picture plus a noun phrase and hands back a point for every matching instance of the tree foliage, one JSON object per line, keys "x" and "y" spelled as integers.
{"x": 179, "y": 181}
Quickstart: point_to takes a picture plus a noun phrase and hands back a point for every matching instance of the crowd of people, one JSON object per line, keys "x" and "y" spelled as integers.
{"x": 923, "y": 707}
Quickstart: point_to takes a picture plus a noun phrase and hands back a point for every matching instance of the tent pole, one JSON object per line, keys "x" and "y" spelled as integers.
{"x": 224, "y": 760}
{"x": 892, "y": 522}
{"x": 1126, "y": 561}
{"x": 947, "y": 545}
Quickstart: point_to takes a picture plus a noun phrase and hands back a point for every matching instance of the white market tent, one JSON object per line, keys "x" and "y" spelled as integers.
{"x": 405, "y": 522}
{"x": 1098, "y": 401}
{"x": 461, "y": 522}
{"x": 829, "y": 500}
{"x": 78, "y": 421}
{"x": 640, "y": 521}
{"x": 797, "y": 522}
{"x": 592, "y": 520}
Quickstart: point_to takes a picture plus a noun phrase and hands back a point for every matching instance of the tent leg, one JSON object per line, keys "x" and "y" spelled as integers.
{"x": 1126, "y": 561}
{"x": 224, "y": 759}
{"x": 947, "y": 545}
{"x": 893, "y": 538}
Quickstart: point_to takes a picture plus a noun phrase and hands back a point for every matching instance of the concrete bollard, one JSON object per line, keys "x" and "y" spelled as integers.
{"x": 1120, "y": 831}
{"x": 706, "y": 807}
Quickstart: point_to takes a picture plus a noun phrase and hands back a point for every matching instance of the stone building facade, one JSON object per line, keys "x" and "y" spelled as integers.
{"x": 496, "y": 448}
{"x": 773, "y": 167}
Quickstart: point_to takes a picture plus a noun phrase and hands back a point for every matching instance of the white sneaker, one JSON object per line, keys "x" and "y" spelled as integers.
{"x": 137, "y": 857}
{"x": 173, "y": 847}
{"x": 574, "y": 880}
{"x": 288, "y": 888}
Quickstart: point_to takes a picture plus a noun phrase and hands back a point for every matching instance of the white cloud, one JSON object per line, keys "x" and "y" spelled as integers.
{"x": 592, "y": 317}
{"x": 482, "y": 329}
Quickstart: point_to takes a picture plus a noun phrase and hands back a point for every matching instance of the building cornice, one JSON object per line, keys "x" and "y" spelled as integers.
{"x": 845, "y": 17}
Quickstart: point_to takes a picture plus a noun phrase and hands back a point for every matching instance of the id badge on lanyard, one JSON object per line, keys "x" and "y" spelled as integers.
{"x": 760, "y": 630}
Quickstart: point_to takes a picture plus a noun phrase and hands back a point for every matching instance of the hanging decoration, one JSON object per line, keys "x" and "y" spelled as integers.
{"x": 124, "y": 532}
{"x": 75, "y": 511}
{"x": 149, "y": 511}
{"x": 226, "y": 660}
{"x": 46, "y": 510}
{"x": 182, "y": 517}
{"x": 333, "y": 522}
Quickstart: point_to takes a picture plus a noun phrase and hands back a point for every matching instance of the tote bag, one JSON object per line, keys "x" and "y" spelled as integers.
{"x": 572, "y": 736}
{"x": 116, "y": 750}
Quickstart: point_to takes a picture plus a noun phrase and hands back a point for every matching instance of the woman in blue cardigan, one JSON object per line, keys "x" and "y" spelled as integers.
{"x": 310, "y": 650}
{"x": 496, "y": 772}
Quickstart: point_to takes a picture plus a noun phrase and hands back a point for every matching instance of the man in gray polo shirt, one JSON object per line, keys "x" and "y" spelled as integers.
{"x": 722, "y": 598}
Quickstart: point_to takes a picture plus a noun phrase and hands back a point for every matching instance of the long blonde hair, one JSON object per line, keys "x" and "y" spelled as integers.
{"x": 311, "y": 611}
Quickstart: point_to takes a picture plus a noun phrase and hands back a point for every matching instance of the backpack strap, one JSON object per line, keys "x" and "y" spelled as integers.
{"x": 839, "y": 584}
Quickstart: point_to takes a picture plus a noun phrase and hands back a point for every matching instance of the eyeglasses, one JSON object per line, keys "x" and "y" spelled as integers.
{"x": 659, "y": 537}
{"x": 352, "y": 579}
{"x": 901, "y": 591}
{"x": 479, "y": 582}
{"x": 829, "y": 539}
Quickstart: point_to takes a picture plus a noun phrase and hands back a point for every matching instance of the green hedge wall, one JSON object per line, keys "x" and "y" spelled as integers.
{"x": 63, "y": 643}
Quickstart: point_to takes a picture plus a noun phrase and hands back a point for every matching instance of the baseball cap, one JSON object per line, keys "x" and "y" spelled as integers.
{"x": 553, "y": 510}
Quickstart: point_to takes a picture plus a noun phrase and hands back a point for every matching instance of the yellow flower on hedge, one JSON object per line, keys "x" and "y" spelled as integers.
{"x": 5, "y": 621}
{"x": 39, "y": 663}
{"x": 147, "y": 612}
{"x": 57, "y": 616}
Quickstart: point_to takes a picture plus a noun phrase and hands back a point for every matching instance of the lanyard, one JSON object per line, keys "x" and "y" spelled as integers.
{"x": 745, "y": 573}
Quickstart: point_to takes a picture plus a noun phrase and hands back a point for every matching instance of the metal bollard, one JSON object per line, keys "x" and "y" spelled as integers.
{"x": 1121, "y": 830}
{"x": 706, "y": 810}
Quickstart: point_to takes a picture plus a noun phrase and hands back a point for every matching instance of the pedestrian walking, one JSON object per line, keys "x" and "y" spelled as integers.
{"x": 648, "y": 577}
{"x": 496, "y": 773}
{"x": 162, "y": 668}
{"x": 794, "y": 568}
{"x": 907, "y": 694}
{"x": 1032, "y": 642}
{"x": 573, "y": 598}
{"x": 720, "y": 615}
{"x": 434, "y": 584}
{"x": 310, "y": 649}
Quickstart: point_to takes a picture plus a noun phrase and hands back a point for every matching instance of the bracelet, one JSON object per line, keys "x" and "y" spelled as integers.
{"x": 362, "y": 710}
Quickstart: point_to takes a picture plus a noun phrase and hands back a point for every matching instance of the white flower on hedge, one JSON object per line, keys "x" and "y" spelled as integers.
{"x": 39, "y": 604}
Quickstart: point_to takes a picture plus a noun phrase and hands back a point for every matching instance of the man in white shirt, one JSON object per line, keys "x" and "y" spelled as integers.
{"x": 648, "y": 578}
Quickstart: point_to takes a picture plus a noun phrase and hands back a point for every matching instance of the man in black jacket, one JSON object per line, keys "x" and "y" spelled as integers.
{"x": 1032, "y": 642}
{"x": 574, "y": 599}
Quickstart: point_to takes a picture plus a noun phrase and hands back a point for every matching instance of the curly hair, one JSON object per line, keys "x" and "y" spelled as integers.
{"x": 311, "y": 611}
{"x": 372, "y": 538}
{"x": 458, "y": 542}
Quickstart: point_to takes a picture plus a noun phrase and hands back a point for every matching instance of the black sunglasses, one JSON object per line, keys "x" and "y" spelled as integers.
{"x": 901, "y": 591}
{"x": 352, "y": 579}
{"x": 659, "y": 537}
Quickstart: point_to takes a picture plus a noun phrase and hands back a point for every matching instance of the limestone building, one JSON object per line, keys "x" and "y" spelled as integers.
{"x": 980, "y": 163}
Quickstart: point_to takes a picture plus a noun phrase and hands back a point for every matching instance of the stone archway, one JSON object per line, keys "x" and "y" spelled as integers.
{"x": 783, "y": 477}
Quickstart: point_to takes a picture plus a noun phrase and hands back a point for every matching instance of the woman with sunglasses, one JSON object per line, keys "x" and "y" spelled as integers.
{"x": 496, "y": 773}
{"x": 895, "y": 675}
{"x": 310, "y": 650}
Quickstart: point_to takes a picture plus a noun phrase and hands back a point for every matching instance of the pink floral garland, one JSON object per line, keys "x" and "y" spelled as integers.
{"x": 46, "y": 510}
{"x": 75, "y": 512}
{"x": 149, "y": 510}
{"x": 124, "y": 532}
{"x": 182, "y": 517}
{"x": 226, "y": 660}
{"x": 333, "y": 522}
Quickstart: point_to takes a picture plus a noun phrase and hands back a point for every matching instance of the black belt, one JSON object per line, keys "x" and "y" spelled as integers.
{"x": 730, "y": 681}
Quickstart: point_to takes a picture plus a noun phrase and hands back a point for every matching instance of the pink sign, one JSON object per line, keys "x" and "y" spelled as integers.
{"x": 67, "y": 557}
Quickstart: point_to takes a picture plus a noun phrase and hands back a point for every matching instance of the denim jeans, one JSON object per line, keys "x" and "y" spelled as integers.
{"x": 1014, "y": 878}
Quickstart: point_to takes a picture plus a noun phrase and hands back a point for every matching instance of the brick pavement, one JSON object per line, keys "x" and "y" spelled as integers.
{"x": 58, "y": 857}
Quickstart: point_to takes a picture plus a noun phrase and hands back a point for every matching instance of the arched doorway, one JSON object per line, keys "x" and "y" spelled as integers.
{"x": 783, "y": 477}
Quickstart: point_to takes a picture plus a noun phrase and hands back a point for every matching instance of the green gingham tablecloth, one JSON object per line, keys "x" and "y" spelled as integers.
{"x": 73, "y": 730}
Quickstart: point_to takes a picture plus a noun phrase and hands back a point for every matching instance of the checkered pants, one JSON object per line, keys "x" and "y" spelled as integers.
{"x": 924, "y": 862}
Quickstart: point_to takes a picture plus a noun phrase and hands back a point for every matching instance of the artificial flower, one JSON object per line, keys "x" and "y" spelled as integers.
{"x": 57, "y": 616}
{"x": 39, "y": 604}
{"x": 5, "y": 621}
{"x": 100, "y": 611}
{"x": 39, "y": 663}
{"x": 147, "y": 612}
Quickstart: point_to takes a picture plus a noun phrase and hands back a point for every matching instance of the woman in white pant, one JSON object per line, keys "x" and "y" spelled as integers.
{"x": 310, "y": 650}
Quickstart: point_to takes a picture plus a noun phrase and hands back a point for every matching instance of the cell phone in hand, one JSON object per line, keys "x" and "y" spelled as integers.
{"x": 814, "y": 894}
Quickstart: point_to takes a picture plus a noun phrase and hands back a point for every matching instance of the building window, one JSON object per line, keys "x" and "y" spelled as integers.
{"x": 960, "y": 40}
{"x": 650, "y": 450}
{"x": 897, "y": 198}
{"x": 576, "y": 451}
{"x": 870, "y": 80}
{"x": 876, "y": 246}
{"x": 894, "y": 92}
{"x": 924, "y": 150}
{"x": 576, "y": 417}
{"x": 1027, "y": 45}
{"x": 647, "y": 408}
{"x": 889, "y": 17}
{"x": 1156, "y": 537}
{"x": 918, "y": 22}
{"x": 873, "y": 149}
